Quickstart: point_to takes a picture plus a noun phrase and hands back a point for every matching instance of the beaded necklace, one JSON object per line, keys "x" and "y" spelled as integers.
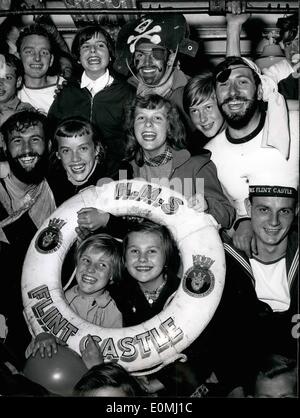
{"x": 153, "y": 295}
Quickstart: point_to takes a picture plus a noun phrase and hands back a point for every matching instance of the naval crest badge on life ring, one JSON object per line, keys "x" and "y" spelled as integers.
{"x": 199, "y": 281}
{"x": 49, "y": 239}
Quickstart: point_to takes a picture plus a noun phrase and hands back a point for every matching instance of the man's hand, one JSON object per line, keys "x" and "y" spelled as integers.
{"x": 82, "y": 233}
{"x": 46, "y": 343}
{"x": 198, "y": 203}
{"x": 91, "y": 354}
{"x": 92, "y": 218}
{"x": 236, "y": 7}
{"x": 244, "y": 239}
{"x": 5, "y": 4}
{"x": 236, "y": 13}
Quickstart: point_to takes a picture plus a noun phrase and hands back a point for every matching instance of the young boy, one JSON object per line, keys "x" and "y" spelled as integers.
{"x": 11, "y": 73}
{"x": 37, "y": 51}
{"x": 98, "y": 265}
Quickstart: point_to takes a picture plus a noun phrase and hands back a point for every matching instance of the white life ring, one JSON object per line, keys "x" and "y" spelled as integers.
{"x": 160, "y": 340}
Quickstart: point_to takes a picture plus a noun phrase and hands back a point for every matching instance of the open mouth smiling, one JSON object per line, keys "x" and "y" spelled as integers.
{"x": 79, "y": 168}
{"x": 27, "y": 161}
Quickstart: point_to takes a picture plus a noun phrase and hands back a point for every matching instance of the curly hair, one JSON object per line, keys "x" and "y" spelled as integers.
{"x": 24, "y": 119}
{"x": 198, "y": 90}
{"x": 109, "y": 246}
{"x": 176, "y": 131}
{"x": 76, "y": 126}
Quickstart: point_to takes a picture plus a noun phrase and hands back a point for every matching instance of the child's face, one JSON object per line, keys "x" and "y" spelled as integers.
{"x": 150, "y": 129}
{"x": 207, "y": 117}
{"x": 94, "y": 271}
{"x": 94, "y": 56}
{"x": 280, "y": 386}
{"x": 9, "y": 84}
{"x": 145, "y": 258}
{"x": 36, "y": 56}
{"x": 291, "y": 48}
{"x": 77, "y": 155}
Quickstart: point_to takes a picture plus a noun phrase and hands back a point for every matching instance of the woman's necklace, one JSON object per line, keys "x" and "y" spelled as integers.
{"x": 153, "y": 295}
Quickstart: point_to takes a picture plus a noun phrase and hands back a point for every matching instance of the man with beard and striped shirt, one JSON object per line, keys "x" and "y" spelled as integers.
{"x": 26, "y": 200}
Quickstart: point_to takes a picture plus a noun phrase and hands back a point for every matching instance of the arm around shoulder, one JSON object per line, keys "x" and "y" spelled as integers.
{"x": 218, "y": 204}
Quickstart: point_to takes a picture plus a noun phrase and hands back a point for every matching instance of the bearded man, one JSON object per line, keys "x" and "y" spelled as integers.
{"x": 26, "y": 201}
{"x": 148, "y": 49}
{"x": 261, "y": 137}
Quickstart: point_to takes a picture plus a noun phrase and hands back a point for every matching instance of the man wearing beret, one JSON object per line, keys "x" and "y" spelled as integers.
{"x": 148, "y": 50}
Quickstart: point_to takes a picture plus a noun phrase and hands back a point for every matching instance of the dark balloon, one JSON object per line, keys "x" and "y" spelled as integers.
{"x": 59, "y": 373}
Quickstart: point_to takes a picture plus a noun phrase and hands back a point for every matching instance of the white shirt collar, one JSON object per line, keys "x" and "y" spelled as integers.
{"x": 94, "y": 86}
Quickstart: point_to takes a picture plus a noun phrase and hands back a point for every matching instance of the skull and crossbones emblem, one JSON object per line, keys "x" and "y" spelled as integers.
{"x": 151, "y": 34}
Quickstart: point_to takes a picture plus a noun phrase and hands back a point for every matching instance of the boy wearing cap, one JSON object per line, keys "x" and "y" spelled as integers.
{"x": 256, "y": 140}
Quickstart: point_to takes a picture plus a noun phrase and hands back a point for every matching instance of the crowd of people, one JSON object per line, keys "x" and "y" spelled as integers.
{"x": 133, "y": 110}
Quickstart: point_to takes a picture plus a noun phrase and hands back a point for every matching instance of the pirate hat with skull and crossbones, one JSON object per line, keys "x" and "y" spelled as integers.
{"x": 165, "y": 29}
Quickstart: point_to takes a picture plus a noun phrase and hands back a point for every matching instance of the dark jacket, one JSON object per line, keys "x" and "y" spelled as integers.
{"x": 63, "y": 189}
{"x": 132, "y": 303}
{"x": 229, "y": 345}
{"x": 289, "y": 87}
{"x": 178, "y": 380}
{"x": 106, "y": 110}
{"x": 184, "y": 166}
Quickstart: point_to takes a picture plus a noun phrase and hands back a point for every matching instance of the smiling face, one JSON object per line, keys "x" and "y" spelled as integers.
{"x": 150, "y": 129}
{"x": 207, "y": 117}
{"x": 150, "y": 62}
{"x": 238, "y": 96}
{"x": 94, "y": 56}
{"x": 9, "y": 84}
{"x": 271, "y": 218}
{"x": 36, "y": 56}
{"x": 94, "y": 271}
{"x": 291, "y": 48}
{"x": 26, "y": 151}
{"x": 145, "y": 259}
{"x": 77, "y": 155}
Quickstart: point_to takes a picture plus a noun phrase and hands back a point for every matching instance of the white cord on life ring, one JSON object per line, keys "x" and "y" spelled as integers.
{"x": 160, "y": 340}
